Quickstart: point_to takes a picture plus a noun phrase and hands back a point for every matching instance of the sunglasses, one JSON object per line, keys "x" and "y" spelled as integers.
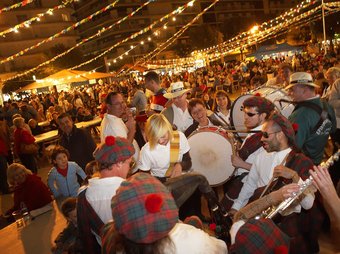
{"x": 251, "y": 114}
{"x": 266, "y": 134}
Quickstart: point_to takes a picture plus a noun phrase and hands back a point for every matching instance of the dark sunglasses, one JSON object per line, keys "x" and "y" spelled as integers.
{"x": 251, "y": 114}
{"x": 266, "y": 134}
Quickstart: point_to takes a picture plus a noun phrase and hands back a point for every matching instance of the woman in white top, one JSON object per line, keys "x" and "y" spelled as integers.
{"x": 221, "y": 107}
{"x": 155, "y": 154}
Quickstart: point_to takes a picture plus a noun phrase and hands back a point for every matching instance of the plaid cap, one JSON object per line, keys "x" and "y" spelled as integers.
{"x": 132, "y": 216}
{"x": 285, "y": 125}
{"x": 264, "y": 105}
{"x": 260, "y": 236}
{"x": 113, "y": 150}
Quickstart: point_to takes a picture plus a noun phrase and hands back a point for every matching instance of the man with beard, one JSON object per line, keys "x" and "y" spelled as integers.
{"x": 256, "y": 110}
{"x": 281, "y": 160}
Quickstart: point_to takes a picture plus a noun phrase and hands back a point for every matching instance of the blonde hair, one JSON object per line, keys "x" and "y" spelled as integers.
{"x": 18, "y": 120}
{"x": 156, "y": 127}
{"x": 12, "y": 171}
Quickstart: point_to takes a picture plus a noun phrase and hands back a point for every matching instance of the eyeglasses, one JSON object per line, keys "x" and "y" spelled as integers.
{"x": 251, "y": 114}
{"x": 266, "y": 134}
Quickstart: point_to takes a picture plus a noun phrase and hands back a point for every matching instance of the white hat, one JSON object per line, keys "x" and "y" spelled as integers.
{"x": 176, "y": 89}
{"x": 301, "y": 78}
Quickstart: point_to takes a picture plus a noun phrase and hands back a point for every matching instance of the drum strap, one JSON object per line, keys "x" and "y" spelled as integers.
{"x": 174, "y": 152}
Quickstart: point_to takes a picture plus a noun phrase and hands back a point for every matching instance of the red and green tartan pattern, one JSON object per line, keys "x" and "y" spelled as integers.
{"x": 259, "y": 236}
{"x": 111, "y": 154}
{"x": 130, "y": 216}
{"x": 263, "y": 105}
{"x": 286, "y": 127}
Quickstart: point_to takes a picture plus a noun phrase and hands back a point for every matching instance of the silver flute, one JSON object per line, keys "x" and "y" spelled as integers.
{"x": 303, "y": 186}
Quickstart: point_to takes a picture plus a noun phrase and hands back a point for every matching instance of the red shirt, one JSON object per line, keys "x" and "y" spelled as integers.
{"x": 22, "y": 136}
{"x": 33, "y": 192}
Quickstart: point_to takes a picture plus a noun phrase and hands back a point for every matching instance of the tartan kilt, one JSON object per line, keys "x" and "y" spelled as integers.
{"x": 260, "y": 237}
{"x": 304, "y": 229}
{"x": 232, "y": 189}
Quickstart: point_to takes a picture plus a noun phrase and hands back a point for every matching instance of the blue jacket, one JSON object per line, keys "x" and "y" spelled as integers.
{"x": 65, "y": 186}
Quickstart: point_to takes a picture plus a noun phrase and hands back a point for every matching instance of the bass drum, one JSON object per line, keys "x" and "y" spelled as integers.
{"x": 271, "y": 93}
{"x": 210, "y": 151}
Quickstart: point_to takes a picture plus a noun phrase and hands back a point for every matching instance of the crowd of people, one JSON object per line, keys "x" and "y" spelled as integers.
{"x": 131, "y": 192}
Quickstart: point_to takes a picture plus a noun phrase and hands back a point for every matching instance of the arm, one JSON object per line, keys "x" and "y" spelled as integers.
{"x": 80, "y": 171}
{"x": 247, "y": 190}
{"x": 324, "y": 184}
{"x": 50, "y": 182}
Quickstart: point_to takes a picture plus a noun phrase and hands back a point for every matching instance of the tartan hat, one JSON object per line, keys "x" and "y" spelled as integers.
{"x": 301, "y": 78}
{"x": 285, "y": 125}
{"x": 113, "y": 150}
{"x": 264, "y": 105}
{"x": 143, "y": 209}
{"x": 260, "y": 236}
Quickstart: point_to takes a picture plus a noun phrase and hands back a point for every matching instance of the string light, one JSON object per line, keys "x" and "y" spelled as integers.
{"x": 17, "y": 5}
{"x": 80, "y": 43}
{"x": 28, "y": 22}
{"x": 51, "y": 38}
{"x": 136, "y": 34}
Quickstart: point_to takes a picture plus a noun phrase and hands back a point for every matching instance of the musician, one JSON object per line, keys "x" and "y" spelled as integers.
{"x": 155, "y": 157}
{"x": 198, "y": 111}
{"x": 178, "y": 114}
{"x": 281, "y": 159}
{"x": 256, "y": 110}
{"x": 315, "y": 119}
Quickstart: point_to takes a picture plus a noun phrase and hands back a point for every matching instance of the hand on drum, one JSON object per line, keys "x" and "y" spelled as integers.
{"x": 177, "y": 170}
{"x": 282, "y": 171}
{"x": 237, "y": 162}
{"x": 284, "y": 193}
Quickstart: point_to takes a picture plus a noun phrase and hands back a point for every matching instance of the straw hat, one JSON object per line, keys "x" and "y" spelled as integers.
{"x": 301, "y": 78}
{"x": 176, "y": 89}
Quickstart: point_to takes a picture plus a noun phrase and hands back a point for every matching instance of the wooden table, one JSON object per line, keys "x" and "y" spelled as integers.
{"x": 37, "y": 237}
{"x": 44, "y": 123}
{"x": 47, "y": 136}
{"x": 87, "y": 124}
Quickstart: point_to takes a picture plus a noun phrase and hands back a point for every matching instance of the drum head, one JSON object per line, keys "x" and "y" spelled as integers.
{"x": 210, "y": 154}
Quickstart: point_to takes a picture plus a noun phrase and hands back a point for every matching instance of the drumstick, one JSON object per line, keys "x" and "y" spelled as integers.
{"x": 241, "y": 131}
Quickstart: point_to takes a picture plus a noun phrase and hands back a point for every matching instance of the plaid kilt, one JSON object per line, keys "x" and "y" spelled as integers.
{"x": 259, "y": 237}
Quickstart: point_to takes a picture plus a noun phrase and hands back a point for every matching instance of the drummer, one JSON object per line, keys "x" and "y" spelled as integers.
{"x": 256, "y": 110}
{"x": 166, "y": 156}
{"x": 199, "y": 113}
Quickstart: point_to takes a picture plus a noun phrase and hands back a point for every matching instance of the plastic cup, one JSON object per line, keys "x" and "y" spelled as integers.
{"x": 19, "y": 220}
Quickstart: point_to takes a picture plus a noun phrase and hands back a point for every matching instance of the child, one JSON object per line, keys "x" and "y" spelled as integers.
{"x": 91, "y": 170}
{"x": 63, "y": 177}
{"x": 66, "y": 241}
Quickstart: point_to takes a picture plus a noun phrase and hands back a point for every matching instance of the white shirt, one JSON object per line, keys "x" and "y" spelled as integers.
{"x": 260, "y": 174}
{"x": 112, "y": 126}
{"x": 158, "y": 159}
{"x": 182, "y": 120}
{"x": 188, "y": 239}
{"x": 251, "y": 157}
{"x": 99, "y": 194}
